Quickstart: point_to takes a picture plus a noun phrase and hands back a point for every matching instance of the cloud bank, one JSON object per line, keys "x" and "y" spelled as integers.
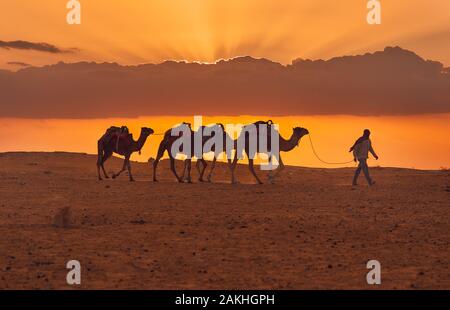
{"x": 18, "y": 63}
{"x": 390, "y": 82}
{"x": 40, "y": 47}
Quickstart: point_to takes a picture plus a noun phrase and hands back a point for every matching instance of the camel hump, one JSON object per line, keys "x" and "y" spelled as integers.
{"x": 109, "y": 133}
{"x": 168, "y": 133}
{"x": 258, "y": 123}
{"x": 269, "y": 122}
{"x": 113, "y": 129}
{"x": 116, "y": 133}
{"x": 117, "y": 130}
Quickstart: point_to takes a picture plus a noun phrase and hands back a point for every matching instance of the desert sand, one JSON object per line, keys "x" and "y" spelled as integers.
{"x": 310, "y": 230}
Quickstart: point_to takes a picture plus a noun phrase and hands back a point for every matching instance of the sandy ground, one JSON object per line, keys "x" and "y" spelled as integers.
{"x": 310, "y": 230}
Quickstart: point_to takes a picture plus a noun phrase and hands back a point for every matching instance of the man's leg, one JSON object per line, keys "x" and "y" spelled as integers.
{"x": 365, "y": 169}
{"x": 357, "y": 172}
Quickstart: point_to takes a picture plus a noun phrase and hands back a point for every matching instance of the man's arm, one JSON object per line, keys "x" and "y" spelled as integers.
{"x": 372, "y": 151}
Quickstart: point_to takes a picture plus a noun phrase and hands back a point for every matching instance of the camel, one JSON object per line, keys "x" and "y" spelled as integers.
{"x": 284, "y": 146}
{"x": 119, "y": 141}
{"x": 226, "y": 141}
{"x": 166, "y": 145}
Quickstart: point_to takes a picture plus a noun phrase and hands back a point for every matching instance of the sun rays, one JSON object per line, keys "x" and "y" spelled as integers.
{"x": 207, "y": 30}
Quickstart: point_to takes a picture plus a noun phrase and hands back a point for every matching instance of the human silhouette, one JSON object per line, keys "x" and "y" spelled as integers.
{"x": 361, "y": 150}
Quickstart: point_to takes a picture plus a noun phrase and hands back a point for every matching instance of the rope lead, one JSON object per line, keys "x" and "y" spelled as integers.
{"x": 323, "y": 161}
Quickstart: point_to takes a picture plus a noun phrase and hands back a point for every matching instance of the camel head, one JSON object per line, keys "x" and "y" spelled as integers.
{"x": 145, "y": 131}
{"x": 299, "y": 132}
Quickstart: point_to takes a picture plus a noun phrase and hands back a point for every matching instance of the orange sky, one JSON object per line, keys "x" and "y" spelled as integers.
{"x": 419, "y": 142}
{"x": 131, "y": 32}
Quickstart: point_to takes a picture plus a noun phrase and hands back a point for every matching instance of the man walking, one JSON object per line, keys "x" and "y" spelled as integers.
{"x": 361, "y": 150}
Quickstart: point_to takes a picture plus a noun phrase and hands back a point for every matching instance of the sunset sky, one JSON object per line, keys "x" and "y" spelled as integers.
{"x": 132, "y": 32}
{"x": 419, "y": 142}
{"x": 153, "y": 31}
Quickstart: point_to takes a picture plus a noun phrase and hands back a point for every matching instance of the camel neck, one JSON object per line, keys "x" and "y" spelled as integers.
{"x": 140, "y": 141}
{"x": 287, "y": 145}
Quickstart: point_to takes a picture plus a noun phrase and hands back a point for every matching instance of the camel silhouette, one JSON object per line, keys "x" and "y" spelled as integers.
{"x": 116, "y": 140}
{"x": 226, "y": 141}
{"x": 284, "y": 146}
{"x": 167, "y": 143}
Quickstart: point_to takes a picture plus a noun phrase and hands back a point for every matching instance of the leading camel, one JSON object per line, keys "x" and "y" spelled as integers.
{"x": 284, "y": 146}
{"x": 118, "y": 140}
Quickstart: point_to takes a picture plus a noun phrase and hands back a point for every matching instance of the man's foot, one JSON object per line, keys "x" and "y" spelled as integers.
{"x": 372, "y": 183}
{"x": 355, "y": 184}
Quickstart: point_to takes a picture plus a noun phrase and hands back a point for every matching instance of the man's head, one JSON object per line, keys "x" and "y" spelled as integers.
{"x": 366, "y": 133}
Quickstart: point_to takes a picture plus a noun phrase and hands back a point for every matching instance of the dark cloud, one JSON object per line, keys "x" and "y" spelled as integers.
{"x": 18, "y": 63}
{"x": 389, "y": 82}
{"x": 40, "y": 47}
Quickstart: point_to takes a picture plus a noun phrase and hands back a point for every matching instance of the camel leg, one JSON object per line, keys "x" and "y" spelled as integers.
{"x": 184, "y": 171}
{"x": 183, "y": 176}
{"x": 129, "y": 171}
{"x": 235, "y": 160}
{"x": 100, "y": 155}
{"x": 204, "y": 164}
{"x": 270, "y": 176}
{"x": 233, "y": 168}
{"x": 187, "y": 166}
{"x": 213, "y": 165}
{"x": 121, "y": 170}
{"x": 161, "y": 150}
{"x": 252, "y": 170}
{"x": 197, "y": 166}
{"x": 199, "y": 170}
{"x": 187, "y": 169}
{"x": 99, "y": 164}
{"x": 230, "y": 166}
{"x": 280, "y": 168}
{"x": 172, "y": 167}
{"x": 155, "y": 165}
{"x": 105, "y": 157}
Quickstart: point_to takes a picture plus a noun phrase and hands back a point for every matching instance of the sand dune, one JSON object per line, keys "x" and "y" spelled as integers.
{"x": 311, "y": 230}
